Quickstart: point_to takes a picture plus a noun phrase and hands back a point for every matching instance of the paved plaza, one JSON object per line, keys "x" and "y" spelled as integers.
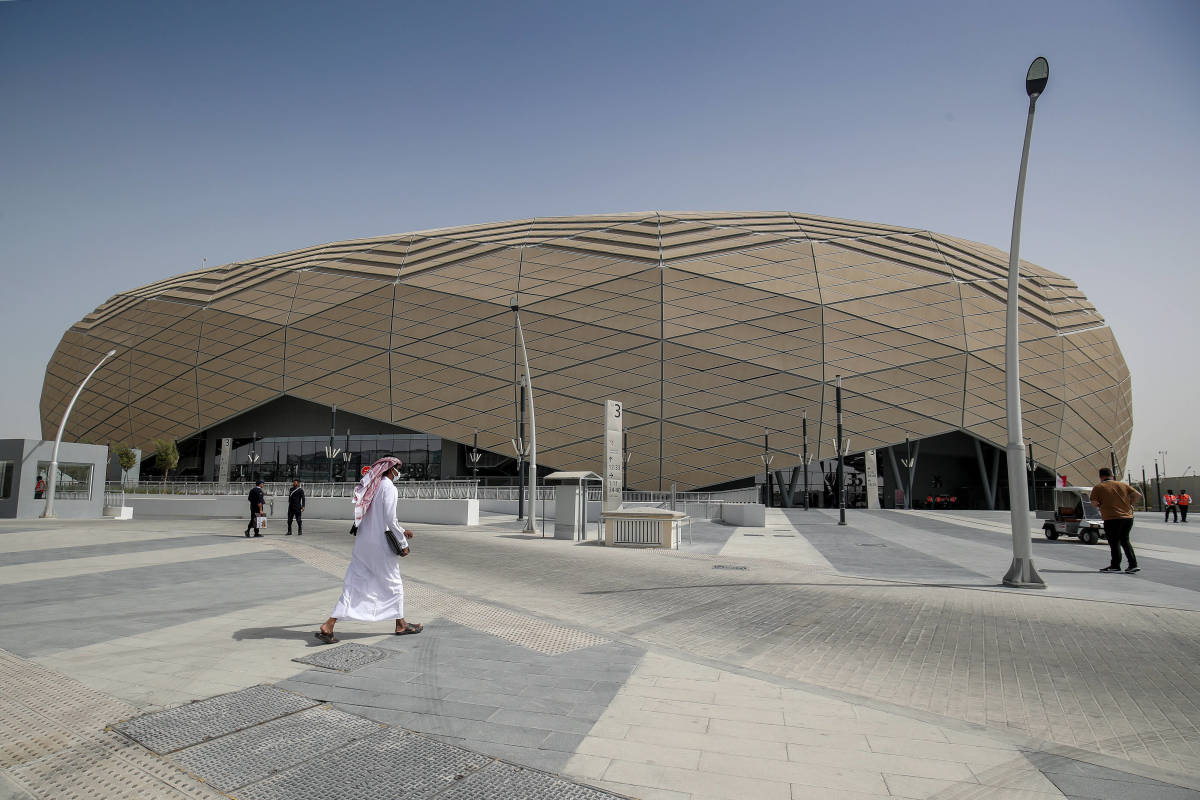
{"x": 800, "y": 660}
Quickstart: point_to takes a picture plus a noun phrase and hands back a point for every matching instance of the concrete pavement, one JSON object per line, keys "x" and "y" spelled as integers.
{"x": 800, "y": 660}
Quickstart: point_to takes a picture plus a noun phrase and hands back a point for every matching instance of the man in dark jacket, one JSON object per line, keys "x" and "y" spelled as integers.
{"x": 296, "y": 508}
{"x": 256, "y": 507}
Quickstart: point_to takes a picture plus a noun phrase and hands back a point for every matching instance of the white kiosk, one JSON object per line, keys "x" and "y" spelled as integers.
{"x": 570, "y": 502}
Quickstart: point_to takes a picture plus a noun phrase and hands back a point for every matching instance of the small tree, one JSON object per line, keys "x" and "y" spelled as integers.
{"x": 166, "y": 455}
{"x": 126, "y": 458}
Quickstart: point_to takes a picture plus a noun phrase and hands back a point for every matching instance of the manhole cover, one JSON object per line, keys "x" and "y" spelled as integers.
{"x": 164, "y": 731}
{"x": 728, "y": 566}
{"x": 344, "y": 658}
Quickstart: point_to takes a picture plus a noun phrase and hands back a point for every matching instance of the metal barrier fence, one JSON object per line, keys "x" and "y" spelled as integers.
{"x": 705, "y": 505}
{"x": 407, "y": 490}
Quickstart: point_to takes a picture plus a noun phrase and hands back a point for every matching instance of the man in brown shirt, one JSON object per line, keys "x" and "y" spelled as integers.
{"x": 1115, "y": 500}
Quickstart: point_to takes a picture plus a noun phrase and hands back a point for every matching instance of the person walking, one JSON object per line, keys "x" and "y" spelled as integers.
{"x": 1115, "y": 500}
{"x": 1183, "y": 500}
{"x": 1171, "y": 504}
{"x": 296, "y": 508}
{"x": 373, "y": 589}
{"x": 39, "y": 488}
{"x": 257, "y": 500}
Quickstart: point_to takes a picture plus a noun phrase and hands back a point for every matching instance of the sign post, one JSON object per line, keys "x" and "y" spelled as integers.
{"x": 614, "y": 460}
{"x": 872, "y": 470}
{"x": 226, "y": 460}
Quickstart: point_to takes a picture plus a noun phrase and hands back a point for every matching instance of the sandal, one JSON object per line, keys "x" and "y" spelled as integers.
{"x": 327, "y": 638}
{"x": 411, "y": 627}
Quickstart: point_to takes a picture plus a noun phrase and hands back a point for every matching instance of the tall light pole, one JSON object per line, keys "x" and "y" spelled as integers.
{"x": 767, "y": 458}
{"x": 841, "y": 468}
{"x": 530, "y": 525}
{"x": 1163, "y": 455}
{"x": 1021, "y": 572}
{"x": 1158, "y": 487}
{"x": 805, "y": 458}
{"x": 474, "y": 456}
{"x": 52, "y": 478}
{"x": 909, "y": 462}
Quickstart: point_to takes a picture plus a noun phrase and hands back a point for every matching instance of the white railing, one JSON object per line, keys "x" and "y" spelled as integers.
{"x": 704, "y": 505}
{"x": 114, "y": 498}
{"x": 406, "y": 490}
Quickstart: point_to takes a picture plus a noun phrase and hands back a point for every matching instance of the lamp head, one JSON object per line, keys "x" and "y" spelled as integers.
{"x": 513, "y": 304}
{"x": 1037, "y": 76}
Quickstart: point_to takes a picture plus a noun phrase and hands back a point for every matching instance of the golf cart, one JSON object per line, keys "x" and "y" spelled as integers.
{"x": 1073, "y": 515}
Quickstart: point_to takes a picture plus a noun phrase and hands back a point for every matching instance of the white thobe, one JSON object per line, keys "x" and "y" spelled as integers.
{"x": 373, "y": 590}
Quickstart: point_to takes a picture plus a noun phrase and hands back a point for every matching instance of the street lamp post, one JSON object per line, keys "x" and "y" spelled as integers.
{"x": 1163, "y": 454}
{"x": 530, "y": 525}
{"x": 909, "y": 462}
{"x": 1158, "y": 487}
{"x": 52, "y": 478}
{"x": 475, "y": 456}
{"x": 1145, "y": 490}
{"x": 767, "y": 458}
{"x": 1021, "y": 572}
{"x": 841, "y": 468}
{"x": 1032, "y": 467}
{"x": 805, "y": 458}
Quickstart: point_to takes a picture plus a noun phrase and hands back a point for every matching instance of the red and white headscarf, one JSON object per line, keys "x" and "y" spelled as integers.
{"x": 364, "y": 493}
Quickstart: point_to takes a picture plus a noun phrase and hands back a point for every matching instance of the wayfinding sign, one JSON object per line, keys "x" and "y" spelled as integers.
{"x": 614, "y": 461}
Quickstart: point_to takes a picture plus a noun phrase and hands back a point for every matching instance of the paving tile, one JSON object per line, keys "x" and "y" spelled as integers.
{"x": 716, "y": 784}
{"x": 712, "y": 711}
{"x": 641, "y": 792}
{"x": 643, "y": 752}
{"x": 833, "y": 776}
{"x": 921, "y": 766}
{"x": 533, "y": 719}
{"x": 710, "y": 742}
{"x": 758, "y": 731}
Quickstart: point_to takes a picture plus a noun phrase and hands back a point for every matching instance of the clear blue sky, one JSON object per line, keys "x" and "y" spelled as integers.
{"x": 140, "y": 138}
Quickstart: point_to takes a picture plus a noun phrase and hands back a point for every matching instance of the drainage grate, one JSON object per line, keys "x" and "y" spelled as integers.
{"x": 387, "y": 765}
{"x": 752, "y": 534}
{"x": 344, "y": 658}
{"x": 507, "y": 780}
{"x": 728, "y": 566}
{"x": 871, "y": 544}
{"x": 175, "y": 728}
{"x": 233, "y": 761}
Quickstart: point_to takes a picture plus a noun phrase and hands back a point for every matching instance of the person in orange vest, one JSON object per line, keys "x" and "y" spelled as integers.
{"x": 1170, "y": 503}
{"x": 39, "y": 489}
{"x": 1183, "y": 499}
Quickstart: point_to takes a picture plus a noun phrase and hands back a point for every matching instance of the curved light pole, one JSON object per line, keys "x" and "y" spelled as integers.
{"x": 52, "y": 478}
{"x": 1021, "y": 573}
{"x": 530, "y": 525}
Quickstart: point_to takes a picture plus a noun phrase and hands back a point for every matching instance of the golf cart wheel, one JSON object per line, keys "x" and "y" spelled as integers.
{"x": 1088, "y": 537}
{"x": 1051, "y": 534}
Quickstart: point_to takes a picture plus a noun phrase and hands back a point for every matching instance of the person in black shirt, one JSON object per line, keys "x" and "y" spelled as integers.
{"x": 296, "y": 508}
{"x": 256, "y": 507}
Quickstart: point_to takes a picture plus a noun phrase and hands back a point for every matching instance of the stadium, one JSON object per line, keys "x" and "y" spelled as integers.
{"x": 713, "y": 329}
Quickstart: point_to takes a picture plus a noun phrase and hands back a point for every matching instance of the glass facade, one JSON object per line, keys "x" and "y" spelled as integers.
{"x": 308, "y": 458}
